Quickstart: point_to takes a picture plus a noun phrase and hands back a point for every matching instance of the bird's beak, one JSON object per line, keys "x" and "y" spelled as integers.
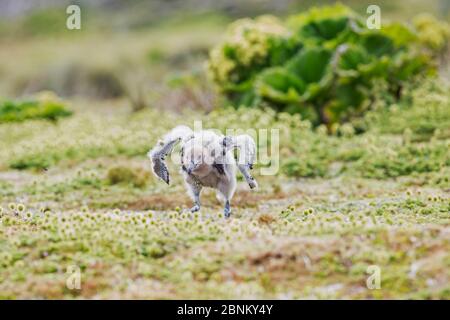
{"x": 191, "y": 168}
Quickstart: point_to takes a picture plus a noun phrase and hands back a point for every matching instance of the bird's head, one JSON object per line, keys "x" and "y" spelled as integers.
{"x": 197, "y": 160}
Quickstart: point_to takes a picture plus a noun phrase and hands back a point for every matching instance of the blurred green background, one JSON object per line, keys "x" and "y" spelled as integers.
{"x": 137, "y": 51}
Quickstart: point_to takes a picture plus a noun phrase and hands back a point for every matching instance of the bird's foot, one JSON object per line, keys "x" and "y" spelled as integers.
{"x": 195, "y": 208}
{"x": 227, "y": 210}
{"x": 253, "y": 184}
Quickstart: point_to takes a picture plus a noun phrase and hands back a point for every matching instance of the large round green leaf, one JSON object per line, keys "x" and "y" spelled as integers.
{"x": 400, "y": 34}
{"x": 278, "y": 85}
{"x": 377, "y": 44}
{"x": 352, "y": 57}
{"x": 325, "y": 29}
{"x": 310, "y": 64}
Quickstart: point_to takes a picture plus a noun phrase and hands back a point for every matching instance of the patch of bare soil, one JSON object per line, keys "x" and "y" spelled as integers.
{"x": 160, "y": 202}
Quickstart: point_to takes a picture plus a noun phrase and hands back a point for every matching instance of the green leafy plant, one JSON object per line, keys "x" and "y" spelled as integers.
{"x": 44, "y": 106}
{"x": 322, "y": 63}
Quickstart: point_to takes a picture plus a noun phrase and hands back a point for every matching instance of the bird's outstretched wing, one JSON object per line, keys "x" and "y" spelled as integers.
{"x": 163, "y": 148}
{"x": 247, "y": 155}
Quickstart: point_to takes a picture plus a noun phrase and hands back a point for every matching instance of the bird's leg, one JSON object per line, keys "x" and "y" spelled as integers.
{"x": 227, "y": 209}
{"x": 196, "y": 195}
{"x": 226, "y": 189}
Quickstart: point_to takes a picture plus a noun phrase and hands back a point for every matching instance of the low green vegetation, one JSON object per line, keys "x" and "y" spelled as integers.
{"x": 339, "y": 203}
{"x": 398, "y": 140}
{"x": 123, "y": 174}
{"x": 308, "y": 246}
{"x": 46, "y": 106}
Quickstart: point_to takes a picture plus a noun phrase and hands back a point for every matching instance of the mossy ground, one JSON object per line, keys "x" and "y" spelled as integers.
{"x": 338, "y": 204}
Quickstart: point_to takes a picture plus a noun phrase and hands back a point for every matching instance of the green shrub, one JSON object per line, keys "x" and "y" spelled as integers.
{"x": 45, "y": 106}
{"x": 322, "y": 64}
{"x": 136, "y": 177}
